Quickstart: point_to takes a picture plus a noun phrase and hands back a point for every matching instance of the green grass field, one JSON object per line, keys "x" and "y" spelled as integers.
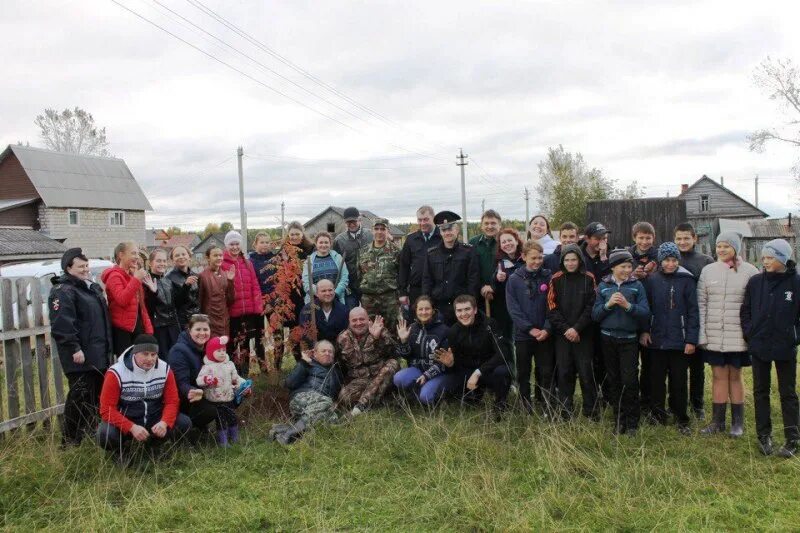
{"x": 404, "y": 469}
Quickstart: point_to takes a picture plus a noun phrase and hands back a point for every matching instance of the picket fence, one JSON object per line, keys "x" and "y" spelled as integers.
{"x": 31, "y": 380}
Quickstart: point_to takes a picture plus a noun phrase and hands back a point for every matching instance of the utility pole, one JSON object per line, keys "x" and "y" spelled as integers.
{"x": 483, "y": 206}
{"x": 756, "y": 190}
{"x": 283, "y": 221}
{"x": 462, "y": 162}
{"x": 527, "y": 205}
{"x": 242, "y": 214}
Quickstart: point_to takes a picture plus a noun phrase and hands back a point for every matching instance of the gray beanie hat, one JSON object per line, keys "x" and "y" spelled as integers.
{"x": 619, "y": 256}
{"x": 779, "y": 249}
{"x": 731, "y": 237}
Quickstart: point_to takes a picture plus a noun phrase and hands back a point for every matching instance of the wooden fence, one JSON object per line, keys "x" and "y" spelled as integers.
{"x": 31, "y": 380}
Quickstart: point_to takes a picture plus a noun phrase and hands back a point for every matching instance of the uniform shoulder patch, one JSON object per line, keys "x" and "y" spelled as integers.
{"x": 56, "y": 304}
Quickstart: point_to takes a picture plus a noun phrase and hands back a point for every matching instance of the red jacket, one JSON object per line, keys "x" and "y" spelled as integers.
{"x": 125, "y": 296}
{"x": 247, "y": 290}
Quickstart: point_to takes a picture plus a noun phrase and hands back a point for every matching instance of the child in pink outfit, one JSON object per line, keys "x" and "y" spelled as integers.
{"x": 219, "y": 380}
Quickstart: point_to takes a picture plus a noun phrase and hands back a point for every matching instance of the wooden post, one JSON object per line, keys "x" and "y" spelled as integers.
{"x": 488, "y": 308}
{"x": 26, "y": 356}
{"x": 10, "y": 348}
{"x": 41, "y": 349}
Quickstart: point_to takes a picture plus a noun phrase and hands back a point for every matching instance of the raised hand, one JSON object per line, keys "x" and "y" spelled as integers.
{"x": 403, "y": 330}
{"x": 191, "y": 280}
{"x": 376, "y": 327}
{"x": 445, "y": 357}
{"x": 231, "y": 273}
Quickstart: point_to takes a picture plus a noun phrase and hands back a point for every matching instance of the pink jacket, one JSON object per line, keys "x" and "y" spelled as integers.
{"x": 247, "y": 293}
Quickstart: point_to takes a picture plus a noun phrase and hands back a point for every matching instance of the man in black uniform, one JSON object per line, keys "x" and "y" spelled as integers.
{"x": 413, "y": 257}
{"x": 451, "y": 268}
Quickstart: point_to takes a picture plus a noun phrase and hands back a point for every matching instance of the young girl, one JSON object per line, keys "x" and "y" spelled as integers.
{"x": 185, "y": 280}
{"x": 621, "y": 309}
{"x": 216, "y": 292}
{"x": 720, "y": 293}
{"x": 526, "y": 297}
{"x": 770, "y": 315}
{"x": 508, "y": 260}
{"x": 325, "y": 263}
{"x": 220, "y": 381}
{"x": 671, "y": 336}
{"x": 247, "y": 309}
{"x": 418, "y": 345}
{"x": 160, "y": 300}
{"x": 539, "y": 230}
{"x": 570, "y": 299}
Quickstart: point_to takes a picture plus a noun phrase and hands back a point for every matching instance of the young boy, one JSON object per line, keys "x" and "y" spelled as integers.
{"x": 570, "y": 299}
{"x": 644, "y": 263}
{"x": 770, "y": 318}
{"x": 671, "y": 336}
{"x": 621, "y": 309}
{"x": 261, "y": 257}
{"x": 526, "y": 298}
{"x": 314, "y": 384}
{"x": 693, "y": 261}
{"x": 567, "y": 234}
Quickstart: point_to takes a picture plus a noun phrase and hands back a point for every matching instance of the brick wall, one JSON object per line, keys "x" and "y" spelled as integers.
{"x": 93, "y": 233}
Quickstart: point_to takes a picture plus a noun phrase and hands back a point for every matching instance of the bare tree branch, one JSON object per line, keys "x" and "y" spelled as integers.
{"x": 72, "y": 130}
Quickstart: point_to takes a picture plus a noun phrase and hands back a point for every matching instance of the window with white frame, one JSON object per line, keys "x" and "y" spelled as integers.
{"x": 704, "y": 202}
{"x": 116, "y": 218}
{"x": 74, "y": 217}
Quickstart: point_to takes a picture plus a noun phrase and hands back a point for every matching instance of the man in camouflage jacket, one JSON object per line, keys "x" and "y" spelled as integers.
{"x": 378, "y": 264}
{"x": 366, "y": 350}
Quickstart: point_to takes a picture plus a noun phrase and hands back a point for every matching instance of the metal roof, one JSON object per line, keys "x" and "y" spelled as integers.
{"x": 365, "y": 214}
{"x": 71, "y": 180}
{"x": 773, "y": 228}
{"x": 28, "y": 242}
{"x": 10, "y": 204}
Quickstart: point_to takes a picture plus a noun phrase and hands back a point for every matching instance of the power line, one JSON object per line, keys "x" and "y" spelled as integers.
{"x": 328, "y": 165}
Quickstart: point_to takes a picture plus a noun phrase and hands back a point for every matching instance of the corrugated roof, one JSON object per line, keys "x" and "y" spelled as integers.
{"x": 10, "y": 204}
{"x": 772, "y": 228}
{"x": 70, "y": 180}
{"x": 28, "y": 242}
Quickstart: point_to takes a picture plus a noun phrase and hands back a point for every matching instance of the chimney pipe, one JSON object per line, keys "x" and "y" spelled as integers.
{"x": 790, "y": 219}
{"x": 684, "y": 188}
{"x": 722, "y": 180}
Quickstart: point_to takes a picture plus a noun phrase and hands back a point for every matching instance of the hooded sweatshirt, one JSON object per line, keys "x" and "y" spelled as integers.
{"x": 571, "y": 295}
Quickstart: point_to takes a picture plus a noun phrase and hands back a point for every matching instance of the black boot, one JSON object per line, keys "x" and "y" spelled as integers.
{"x": 789, "y": 449}
{"x": 717, "y": 419}
{"x": 765, "y": 444}
{"x": 737, "y": 420}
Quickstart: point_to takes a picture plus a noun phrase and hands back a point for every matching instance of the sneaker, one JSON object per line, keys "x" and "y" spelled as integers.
{"x": 789, "y": 449}
{"x": 684, "y": 429}
{"x": 700, "y": 414}
{"x": 765, "y": 444}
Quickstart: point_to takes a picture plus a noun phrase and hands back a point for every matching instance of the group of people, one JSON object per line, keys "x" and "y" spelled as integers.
{"x": 466, "y": 318}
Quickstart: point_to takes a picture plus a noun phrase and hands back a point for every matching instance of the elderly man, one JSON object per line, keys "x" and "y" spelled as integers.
{"x": 330, "y": 315}
{"x": 348, "y": 244}
{"x": 414, "y": 255}
{"x": 367, "y": 352}
{"x": 451, "y": 268}
{"x": 378, "y": 266}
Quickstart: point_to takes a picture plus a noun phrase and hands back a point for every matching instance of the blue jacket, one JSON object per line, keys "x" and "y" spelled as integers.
{"x": 675, "y": 319}
{"x": 423, "y": 341}
{"x": 327, "y": 329}
{"x": 314, "y": 377}
{"x": 185, "y": 359}
{"x": 526, "y": 298}
{"x": 619, "y": 322}
{"x": 260, "y": 262}
{"x": 552, "y": 262}
{"x": 770, "y": 315}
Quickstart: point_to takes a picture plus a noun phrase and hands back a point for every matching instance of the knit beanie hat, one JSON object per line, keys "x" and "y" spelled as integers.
{"x": 233, "y": 236}
{"x": 619, "y": 256}
{"x": 215, "y": 344}
{"x": 731, "y": 237}
{"x": 668, "y": 249}
{"x": 144, "y": 343}
{"x": 779, "y": 249}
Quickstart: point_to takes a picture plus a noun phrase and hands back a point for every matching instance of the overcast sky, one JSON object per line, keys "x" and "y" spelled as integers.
{"x": 661, "y": 95}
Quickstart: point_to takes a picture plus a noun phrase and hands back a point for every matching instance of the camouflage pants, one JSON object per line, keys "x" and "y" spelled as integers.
{"x": 384, "y": 304}
{"x": 367, "y": 389}
{"x": 312, "y": 407}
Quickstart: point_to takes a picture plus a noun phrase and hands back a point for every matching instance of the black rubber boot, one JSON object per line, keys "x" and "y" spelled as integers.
{"x": 765, "y": 444}
{"x": 737, "y": 420}
{"x": 717, "y": 424}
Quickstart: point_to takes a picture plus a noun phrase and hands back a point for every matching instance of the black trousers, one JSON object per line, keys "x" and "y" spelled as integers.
{"x": 226, "y": 415}
{"x": 498, "y": 381}
{"x": 111, "y": 438}
{"x": 242, "y": 330}
{"x": 166, "y": 336}
{"x": 644, "y": 377}
{"x": 675, "y": 365}
{"x": 599, "y": 363}
{"x": 787, "y": 389}
{"x": 81, "y": 406}
{"x": 201, "y": 413}
{"x": 576, "y": 358}
{"x": 122, "y": 339}
{"x": 622, "y": 373}
{"x": 697, "y": 380}
{"x": 541, "y": 354}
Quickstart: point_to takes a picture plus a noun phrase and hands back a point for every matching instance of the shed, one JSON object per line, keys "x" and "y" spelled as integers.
{"x": 331, "y": 219}
{"x": 619, "y": 216}
{"x": 22, "y": 244}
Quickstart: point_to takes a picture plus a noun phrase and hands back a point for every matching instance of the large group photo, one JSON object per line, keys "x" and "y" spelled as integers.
{"x": 350, "y": 325}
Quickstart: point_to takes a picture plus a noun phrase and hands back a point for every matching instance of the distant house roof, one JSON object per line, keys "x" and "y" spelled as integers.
{"x": 184, "y": 239}
{"x": 368, "y": 216}
{"x": 218, "y": 237}
{"x": 771, "y": 228}
{"x": 70, "y": 180}
{"x": 719, "y": 185}
{"x": 19, "y": 202}
{"x": 28, "y": 244}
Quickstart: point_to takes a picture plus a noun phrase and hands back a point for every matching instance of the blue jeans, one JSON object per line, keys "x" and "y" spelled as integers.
{"x": 430, "y": 392}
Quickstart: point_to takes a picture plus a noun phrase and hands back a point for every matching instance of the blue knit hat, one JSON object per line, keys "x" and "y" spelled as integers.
{"x": 668, "y": 249}
{"x": 779, "y": 249}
